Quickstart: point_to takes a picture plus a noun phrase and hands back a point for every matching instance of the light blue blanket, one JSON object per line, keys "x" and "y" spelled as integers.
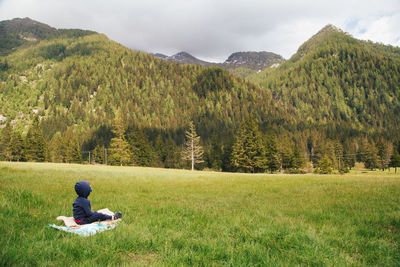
{"x": 87, "y": 229}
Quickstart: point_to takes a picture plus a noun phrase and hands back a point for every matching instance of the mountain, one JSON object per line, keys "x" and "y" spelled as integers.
{"x": 240, "y": 64}
{"x": 334, "y": 88}
{"x": 184, "y": 58}
{"x": 77, "y": 84}
{"x": 17, "y": 32}
{"x": 339, "y": 82}
{"x": 253, "y": 60}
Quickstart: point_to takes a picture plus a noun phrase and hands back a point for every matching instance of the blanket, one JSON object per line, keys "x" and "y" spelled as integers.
{"x": 87, "y": 229}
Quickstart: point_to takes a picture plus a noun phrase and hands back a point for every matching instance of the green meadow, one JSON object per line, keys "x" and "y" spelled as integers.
{"x": 178, "y": 217}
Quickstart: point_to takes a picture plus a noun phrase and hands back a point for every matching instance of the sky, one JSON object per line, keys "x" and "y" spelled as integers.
{"x": 213, "y": 29}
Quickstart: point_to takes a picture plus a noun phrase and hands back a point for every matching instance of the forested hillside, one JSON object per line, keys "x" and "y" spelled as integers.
{"x": 83, "y": 96}
{"x": 77, "y": 84}
{"x": 340, "y": 84}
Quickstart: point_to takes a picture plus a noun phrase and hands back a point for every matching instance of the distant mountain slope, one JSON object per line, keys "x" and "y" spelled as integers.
{"x": 241, "y": 64}
{"x": 17, "y": 32}
{"x": 78, "y": 84}
{"x": 336, "y": 78}
{"x": 186, "y": 58}
{"x": 253, "y": 60}
{"x": 335, "y": 86}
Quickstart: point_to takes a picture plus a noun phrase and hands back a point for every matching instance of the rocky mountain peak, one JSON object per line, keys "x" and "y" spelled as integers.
{"x": 253, "y": 60}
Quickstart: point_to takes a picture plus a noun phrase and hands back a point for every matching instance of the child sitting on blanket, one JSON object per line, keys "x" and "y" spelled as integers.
{"x": 82, "y": 210}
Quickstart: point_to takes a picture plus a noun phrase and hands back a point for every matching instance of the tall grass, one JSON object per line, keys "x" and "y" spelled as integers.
{"x": 175, "y": 217}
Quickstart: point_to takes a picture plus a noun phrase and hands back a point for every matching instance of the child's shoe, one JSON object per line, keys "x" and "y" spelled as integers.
{"x": 117, "y": 215}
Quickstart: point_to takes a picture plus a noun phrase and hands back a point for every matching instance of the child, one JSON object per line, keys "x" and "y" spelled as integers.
{"x": 82, "y": 210}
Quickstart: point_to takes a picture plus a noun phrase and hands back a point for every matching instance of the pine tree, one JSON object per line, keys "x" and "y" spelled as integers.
{"x": 214, "y": 154}
{"x": 74, "y": 151}
{"x": 192, "y": 150}
{"x": 319, "y": 153}
{"x": 324, "y": 166}
{"x": 98, "y": 154}
{"x": 298, "y": 159}
{"x": 271, "y": 154}
{"x": 159, "y": 151}
{"x": 58, "y": 152}
{"x": 6, "y": 141}
{"x": 17, "y": 148}
{"x": 395, "y": 160}
{"x": 371, "y": 156}
{"x": 139, "y": 145}
{"x": 248, "y": 151}
{"x": 382, "y": 154}
{"x": 286, "y": 154}
{"x": 35, "y": 145}
{"x": 119, "y": 147}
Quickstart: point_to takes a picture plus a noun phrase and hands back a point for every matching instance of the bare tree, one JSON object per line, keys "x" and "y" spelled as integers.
{"x": 192, "y": 150}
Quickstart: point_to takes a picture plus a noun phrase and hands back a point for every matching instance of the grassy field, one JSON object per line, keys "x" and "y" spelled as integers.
{"x": 176, "y": 217}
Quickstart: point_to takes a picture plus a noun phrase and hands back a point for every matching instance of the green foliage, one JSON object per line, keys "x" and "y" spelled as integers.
{"x": 140, "y": 147}
{"x": 24, "y": 32}
{"x": 298, "y": 159}
{"x": 324, "y": 166}
{"x": 6, "y": 141}
{"x": 211, "y": 80}
{"x": 119, "y": 147}
{"x": 335, "y": 82}
{"x": 34, "y": 143}
{"x": 370, "y": 155}
{"x": 74, "y": 151}
{"x": 320, "y": 100}
{"x": 248, "y": 150}
{"x": 271, "y": 154}
{"x": 17, "y": 148}
{"x": 54, "y": 51}
{"x": 395, "y": 160}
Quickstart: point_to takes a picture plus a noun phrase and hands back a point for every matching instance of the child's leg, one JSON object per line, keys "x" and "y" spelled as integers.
{"x": 95, "y": 218}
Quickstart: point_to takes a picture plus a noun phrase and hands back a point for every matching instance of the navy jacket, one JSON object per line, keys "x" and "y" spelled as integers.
{"x": 81, "y": 206}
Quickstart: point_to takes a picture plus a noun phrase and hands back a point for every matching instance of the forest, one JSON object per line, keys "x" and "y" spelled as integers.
{"x": 80, "y": 97}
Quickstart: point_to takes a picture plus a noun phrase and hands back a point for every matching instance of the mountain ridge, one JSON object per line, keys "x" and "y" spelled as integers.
{"x": 25, "y": 31}
{"x": 337, "y": 88}
{"x": 249, "y": 59}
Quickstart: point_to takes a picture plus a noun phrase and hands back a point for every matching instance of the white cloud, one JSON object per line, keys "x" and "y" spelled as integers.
{"x": 383, "y": 29}
{"x": 212, "y": 29}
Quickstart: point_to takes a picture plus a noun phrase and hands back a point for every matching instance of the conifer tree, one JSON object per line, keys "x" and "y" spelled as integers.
{"x": 6, "y": 141}
{"x": 324, "y": 166}
{"x": 172, "y": 155}
{"x": 98, "y": 154}
{"x": 35, "y": 145}
{"x": 318, "y": 153}
{"x": 192, "y": 150}
{"x": 382, "y": 150}
{"x": 139, "y": 145}
{"x": 119, "y": 147}
{"x": 371, "y": 156}
{"x": 395, "y": 160}
{"x": 74, "y": 151}
{"x": 298, "y": 159}
{"x": 271, "y": 154}
{"x": 214, "y": 154}
{"x": 17, "y": 148}
{"x": 248, "y": 152}
{"x": 286, "y": 154}
{"x": 160, "y": 152}
{"x": 58, "y": 152}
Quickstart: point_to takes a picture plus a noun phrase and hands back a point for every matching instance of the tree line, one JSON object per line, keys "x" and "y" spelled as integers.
{"x": 250, "y": 150}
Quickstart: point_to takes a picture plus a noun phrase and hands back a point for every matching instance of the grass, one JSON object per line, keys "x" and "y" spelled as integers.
{"x": 177, "y": 217}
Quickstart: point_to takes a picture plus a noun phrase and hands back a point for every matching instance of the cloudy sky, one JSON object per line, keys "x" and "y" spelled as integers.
{"x": 213, "y": 29}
